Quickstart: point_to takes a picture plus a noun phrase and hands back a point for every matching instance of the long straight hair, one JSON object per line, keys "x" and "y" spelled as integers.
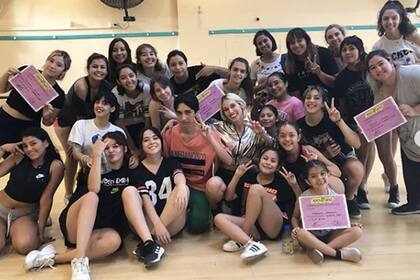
{"x": 112, "y": 63}
{"x": 246, "y": 83}
{"x": 141, "y": 136}
{"x": 311, "y": 49}
{"x": 405, "y": 27}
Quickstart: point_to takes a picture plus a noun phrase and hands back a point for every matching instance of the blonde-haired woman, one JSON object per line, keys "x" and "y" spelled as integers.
{"x": 242, "y": 136}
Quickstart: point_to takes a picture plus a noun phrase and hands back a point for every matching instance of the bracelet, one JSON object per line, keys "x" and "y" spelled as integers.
{"x": 338, "y": 120}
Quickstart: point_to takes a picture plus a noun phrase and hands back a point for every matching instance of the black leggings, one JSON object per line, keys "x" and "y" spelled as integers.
{"x": 410, "y": 172}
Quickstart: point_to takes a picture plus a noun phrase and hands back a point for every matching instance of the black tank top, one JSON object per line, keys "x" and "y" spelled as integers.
{"x": 27, "y": 183}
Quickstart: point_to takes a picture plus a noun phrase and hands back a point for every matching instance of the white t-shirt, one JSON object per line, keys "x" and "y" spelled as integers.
{"x": 261, "y": 70}
{"x": 85, "y": 133}
{"x": 219, "y": 84}
{"x": 402, "y": 52}
{"x": 407, "y": 92}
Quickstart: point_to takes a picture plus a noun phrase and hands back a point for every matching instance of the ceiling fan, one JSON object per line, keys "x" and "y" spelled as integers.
{"x": 123, "y": 4}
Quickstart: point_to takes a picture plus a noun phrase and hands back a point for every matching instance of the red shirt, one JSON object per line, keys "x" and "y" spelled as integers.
{"x": 196, "y": 156}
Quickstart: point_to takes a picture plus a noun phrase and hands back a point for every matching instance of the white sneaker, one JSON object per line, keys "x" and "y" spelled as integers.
{"x": 232, "y": 246}
{"x": 80, "y": 269}
{"x": 351, "y": 254}
{"x": 253, "y": 250}
{"x": 41, "y": 258}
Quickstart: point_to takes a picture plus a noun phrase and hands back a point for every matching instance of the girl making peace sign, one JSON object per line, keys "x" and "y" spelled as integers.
{"x": 263, "y": 202}
{"x": 329, "y": 133}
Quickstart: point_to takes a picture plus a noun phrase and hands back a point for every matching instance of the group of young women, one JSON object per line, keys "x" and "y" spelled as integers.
{"x": 150, "y": 165}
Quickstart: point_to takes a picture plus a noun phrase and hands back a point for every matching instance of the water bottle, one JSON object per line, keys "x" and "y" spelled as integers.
{"x": 105, "y": 167}
{"x": 287, "y": 245}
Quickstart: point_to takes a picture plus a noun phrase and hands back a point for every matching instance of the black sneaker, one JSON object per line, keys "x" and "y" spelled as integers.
{"x": 139, "y": 251}
{"x": 394, "y": 197}
{"x": 152, "y": 253}
{"x": 406, "y": 209}
{"x": 362, "y": 200}
{"x": 354, "y": 211}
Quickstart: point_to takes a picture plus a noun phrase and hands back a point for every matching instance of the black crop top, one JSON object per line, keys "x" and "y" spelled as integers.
{"x": 27, "y": 183}
{"x": 16, "y": 101}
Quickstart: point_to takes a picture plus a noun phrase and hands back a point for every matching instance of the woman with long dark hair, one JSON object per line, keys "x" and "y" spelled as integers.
{"x": 238, "y": 80}
{"x": 162, "y": 187}
{"x": 119, "y": 53}
{"x": 133, "y": 100}
{"x": 307, "y": 64}
{"x": 35, "y": 170}
{"x": 401, "y": 41}
{"x": 96, "y": 220}
{"x": 79, "y": 105}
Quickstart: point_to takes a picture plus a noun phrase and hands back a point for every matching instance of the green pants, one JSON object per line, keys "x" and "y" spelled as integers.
{"x": 199, "y": 215}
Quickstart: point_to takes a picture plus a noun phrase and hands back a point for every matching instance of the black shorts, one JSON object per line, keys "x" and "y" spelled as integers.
{"x": 326, "y": 238}
{"x": 134, "y": 132}
{"x": 225, "y": 175}
{"x": 264, "y": 236}
{"x": 107, "y": 216}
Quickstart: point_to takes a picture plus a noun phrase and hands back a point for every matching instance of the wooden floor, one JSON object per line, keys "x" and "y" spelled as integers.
{"x": 390, "y": 247}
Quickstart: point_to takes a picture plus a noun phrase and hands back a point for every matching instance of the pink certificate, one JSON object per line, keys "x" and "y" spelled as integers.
{"x": 33, "y": 87}
{"x": 210, "y": 100}
{"x": 324, "y": 212}
{"x": 380, "y": 119}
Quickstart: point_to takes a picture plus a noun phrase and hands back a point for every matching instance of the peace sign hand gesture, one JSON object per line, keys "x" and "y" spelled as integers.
{"x": 204, "y": 128}
{"x": 242, "y": 168}
{"x": 312, "y": 66}
{"x": 288, "y": 175}
{"x": 307, "y": 155}
{"x": 333, "y": 112}
{"x": 166, "y": 112}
